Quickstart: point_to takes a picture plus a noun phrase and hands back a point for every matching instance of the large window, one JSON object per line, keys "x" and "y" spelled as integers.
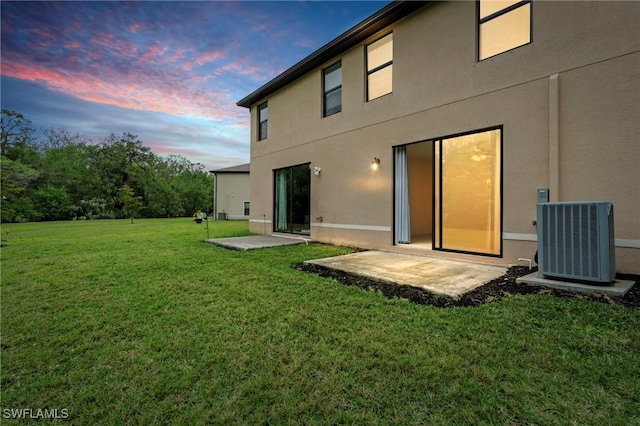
{"x": 502, "y": 25}
{"x": 380, "y": 67}
{"x": 263, "y": 120}
{"x": 333, "y": 89}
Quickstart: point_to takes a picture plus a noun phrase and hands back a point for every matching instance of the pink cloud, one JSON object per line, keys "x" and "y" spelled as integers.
{"x": 137, "y": 26}
{"x": 154, "y": 94}
{"x": 73, "y": 44}
{"x": 241, "y": 68}
{"x": 116, "y": 46}
{"x": 154, "y": 54}
{"x": 304, "y": 43}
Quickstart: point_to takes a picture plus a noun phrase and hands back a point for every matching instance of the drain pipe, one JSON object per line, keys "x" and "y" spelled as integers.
{"x": 306, "y": 241}
{"x": 523, "y": 259}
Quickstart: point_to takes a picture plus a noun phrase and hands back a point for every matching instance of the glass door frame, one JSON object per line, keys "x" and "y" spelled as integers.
{"x": 289, "y": 206}
{"x": 437, "y": 230}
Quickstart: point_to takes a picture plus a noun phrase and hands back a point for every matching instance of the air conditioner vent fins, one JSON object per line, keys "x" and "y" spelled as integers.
{"x": 576, "y": 241}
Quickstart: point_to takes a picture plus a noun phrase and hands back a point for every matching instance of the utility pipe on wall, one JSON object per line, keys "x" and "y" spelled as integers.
{"x": 554, "y": 162}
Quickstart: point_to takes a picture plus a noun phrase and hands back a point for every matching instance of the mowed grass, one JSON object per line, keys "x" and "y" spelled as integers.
{"x": 143, "y": 323}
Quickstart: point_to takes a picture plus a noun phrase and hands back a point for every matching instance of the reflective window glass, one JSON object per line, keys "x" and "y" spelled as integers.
{"x": 380, "y": 67}
{"x": 505, "y": 30}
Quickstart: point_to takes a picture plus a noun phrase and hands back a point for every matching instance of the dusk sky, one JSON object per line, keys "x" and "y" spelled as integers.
{"x": 169, "y": 72}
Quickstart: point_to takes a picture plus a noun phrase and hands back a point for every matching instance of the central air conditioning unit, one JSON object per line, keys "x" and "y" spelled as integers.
{"x": 222, "y": 216}
{"x": 576, "y": 241}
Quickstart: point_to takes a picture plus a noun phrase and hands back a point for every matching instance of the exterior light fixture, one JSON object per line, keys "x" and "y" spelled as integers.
{"x": 316, "y": 171}
{"x": 375, "y": 164}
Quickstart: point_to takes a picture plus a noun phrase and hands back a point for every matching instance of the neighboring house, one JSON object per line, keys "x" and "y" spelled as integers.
{"x": 430, "y": 127}
{"x": 231, "y": 193}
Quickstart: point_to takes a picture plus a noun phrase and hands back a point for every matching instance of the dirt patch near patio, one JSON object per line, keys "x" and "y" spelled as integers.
{"x": 490, "y": 292}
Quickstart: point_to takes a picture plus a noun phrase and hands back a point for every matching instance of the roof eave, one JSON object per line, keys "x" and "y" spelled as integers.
{"x": 383, "y": 18}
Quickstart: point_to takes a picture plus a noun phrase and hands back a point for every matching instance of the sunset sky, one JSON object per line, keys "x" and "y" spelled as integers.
{"x": 169, "y": 72}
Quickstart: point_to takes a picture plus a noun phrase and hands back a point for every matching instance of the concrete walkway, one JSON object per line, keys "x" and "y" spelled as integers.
{"x": 437, "y": 275}
{"x": 253, "y": 242}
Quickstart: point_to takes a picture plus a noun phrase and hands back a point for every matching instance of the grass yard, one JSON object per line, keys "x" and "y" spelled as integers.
{"x": 120, "y": 323}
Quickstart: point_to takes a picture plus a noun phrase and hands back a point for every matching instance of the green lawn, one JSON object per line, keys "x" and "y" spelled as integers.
{"x": 143, "y": 323}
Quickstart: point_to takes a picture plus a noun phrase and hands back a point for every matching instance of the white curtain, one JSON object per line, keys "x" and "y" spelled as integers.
{"x": 281, "y": 201}
{"x": 402, "y": 211}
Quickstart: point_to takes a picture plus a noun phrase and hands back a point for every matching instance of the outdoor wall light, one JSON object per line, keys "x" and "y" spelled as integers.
{"x": 316, "y": 171}
{"x": 375, "y": 164}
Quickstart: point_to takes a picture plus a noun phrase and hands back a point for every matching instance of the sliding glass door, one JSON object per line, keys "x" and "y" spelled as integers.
{"x": 293, "y": 199}
{"x": 468, "y": 193}
{"x": 448, "y": 193}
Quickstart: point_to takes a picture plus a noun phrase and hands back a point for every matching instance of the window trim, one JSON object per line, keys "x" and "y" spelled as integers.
{"x": 376, "y": 69}
{"x": 260, "y": 108}
{"x": 325, "y": 93}
{"x": 498, "y": 14}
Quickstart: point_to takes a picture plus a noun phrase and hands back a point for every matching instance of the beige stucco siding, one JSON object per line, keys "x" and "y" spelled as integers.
{"x": 568, "y": 105}
{"x": 599, "y": 150}
{"x": 232, "y": 190}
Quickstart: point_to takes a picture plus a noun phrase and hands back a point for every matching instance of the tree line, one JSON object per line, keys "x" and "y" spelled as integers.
{"x": 56, "y": 175}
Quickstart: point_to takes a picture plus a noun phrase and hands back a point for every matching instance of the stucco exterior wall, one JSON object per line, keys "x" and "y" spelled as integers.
{"x": 232, "y": 190}
{"x": 568, "y": 104}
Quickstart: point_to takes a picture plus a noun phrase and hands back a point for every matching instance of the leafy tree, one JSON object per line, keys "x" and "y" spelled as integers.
{"x": 120, "y": 161}
{"x": 65, "y": 164}
{"x": 17, "y": 137}
{"x": 22, "y": 209}
{"x": 19, "y": 158}
{"x": 193, "y": 185}
{"x": 15, "y": 180}
{"x": 131, "y": 203}
{"x": 94, "y": 208}
{"x": 64, "y": 174}
{"x": 53, "y": 203}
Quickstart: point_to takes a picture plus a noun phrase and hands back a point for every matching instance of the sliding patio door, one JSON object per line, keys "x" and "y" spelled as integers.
{"x": 292, "y": 197}
{"x": 467, "y": 202}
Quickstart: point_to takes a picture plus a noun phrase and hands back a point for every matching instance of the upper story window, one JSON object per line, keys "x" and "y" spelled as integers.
{"x": 503, "y": 25}
{"x": 263, "y": 119}
{"x": 333, "y": 89}
{"x": 380, "y": 67}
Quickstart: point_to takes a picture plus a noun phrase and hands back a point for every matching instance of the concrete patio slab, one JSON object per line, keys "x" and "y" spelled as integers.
{"x": 253, "y": 242}
{"x": 619, "y": 287}
{"x": 442, "y": 276}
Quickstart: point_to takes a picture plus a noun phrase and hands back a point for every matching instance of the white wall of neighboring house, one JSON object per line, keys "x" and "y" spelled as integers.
{"x": 231, "y": 194}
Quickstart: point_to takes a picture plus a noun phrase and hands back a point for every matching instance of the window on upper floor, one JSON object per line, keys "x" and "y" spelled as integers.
{"x": 332, "y": 89}
{"x": 502, "y": 25}
{"x": 263, "y": 119}
{"x": 380, "y": 67}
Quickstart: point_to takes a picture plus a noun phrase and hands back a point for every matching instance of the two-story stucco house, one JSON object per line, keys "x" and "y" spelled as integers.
{"x": 429, "y": 128}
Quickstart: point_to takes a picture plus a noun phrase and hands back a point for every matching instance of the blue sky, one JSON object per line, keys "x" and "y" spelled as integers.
{"x": 168, "y": 72}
